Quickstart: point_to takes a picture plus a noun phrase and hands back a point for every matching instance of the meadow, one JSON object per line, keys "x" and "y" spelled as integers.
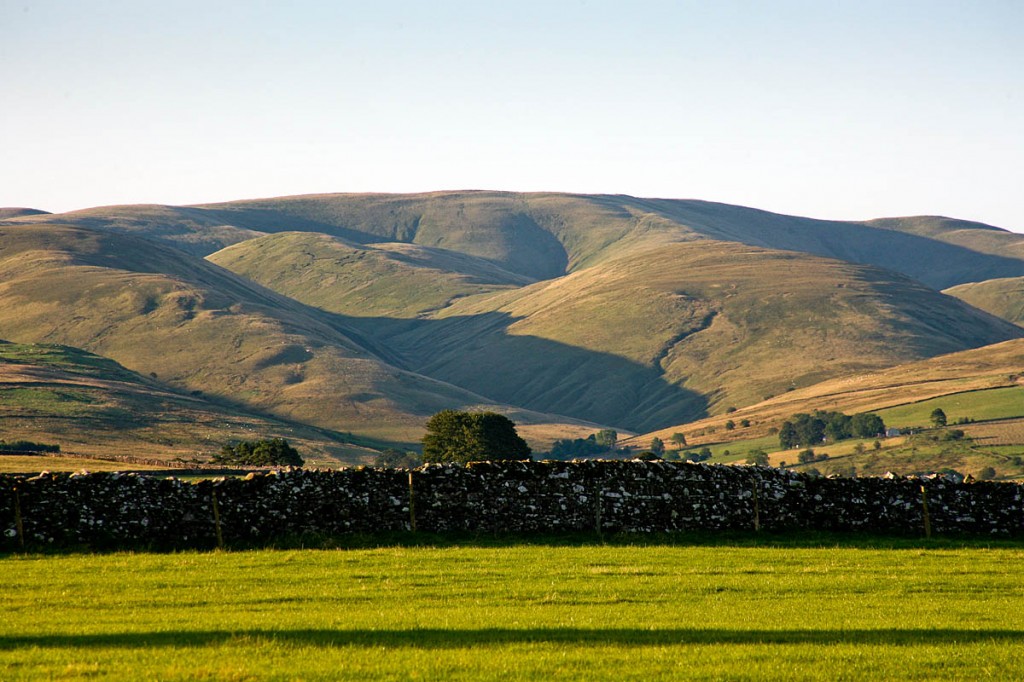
{"x": 741, "y": 609}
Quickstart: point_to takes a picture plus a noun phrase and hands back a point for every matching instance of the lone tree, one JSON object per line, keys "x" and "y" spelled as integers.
{"x": 455, "y": 436}
{"x": 607, "y": 438}
{"x": 657, "y": 446}
{"x": 758, "y": 457}
{"x": 938, "y": 417}
{"x": 679, "y": 439}
{"x": 260, "y": 453}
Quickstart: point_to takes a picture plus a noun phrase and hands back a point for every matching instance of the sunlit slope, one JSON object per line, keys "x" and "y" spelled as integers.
{"x": 1001, "y": 297}
{"x": 88, "y": 404}
{"x": 159, "y": 311}
{"x": 664, "y": 335}
{"x": 979, "y": 369}
{"x": 544, "y": 235}
{"x": 387, "y": 278}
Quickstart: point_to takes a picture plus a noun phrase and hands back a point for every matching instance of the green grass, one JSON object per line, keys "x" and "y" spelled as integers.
{"x": 737, "y": 450}
{"x": 996, "y": 403}
{"x": 731, "y": 611}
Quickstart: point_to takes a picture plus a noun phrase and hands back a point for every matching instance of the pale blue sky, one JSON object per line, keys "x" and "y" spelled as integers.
{"x": 845, "y": 110}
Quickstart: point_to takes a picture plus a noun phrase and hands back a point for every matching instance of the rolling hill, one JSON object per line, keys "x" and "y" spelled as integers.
{"x": 659, "y": 336}
{"x": 90, "y": 405}
{"x": 160, "y": 311}
{"x": 545, "y": 235}
{"x": 367, "y": 313}
{"x": 983, "y": 387}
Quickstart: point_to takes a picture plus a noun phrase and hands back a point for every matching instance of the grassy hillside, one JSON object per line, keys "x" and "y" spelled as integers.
{"x": 386, "y": 279}
{"x": 157, "y": 310}
{"x": 965, "y": 233}
{"x": 991, "y": 367}
{"x": 984, "y": 384}
{"x": 367, "y": 313}
{"x": 515, "y": 230}
{"x": 89, "y": 405}
{"x": 1001, "y": 297}
{"x": 665, "y": 335}
{"x": 544, "y": 235}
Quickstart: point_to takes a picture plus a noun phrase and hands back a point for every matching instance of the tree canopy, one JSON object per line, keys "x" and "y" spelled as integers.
{"x": 569, "y": 448}
{"x": 456, "y": 436}
{"x": 273, "y": 452}
{"x": 812, "y": 429}
{"x": 390, "y": 458}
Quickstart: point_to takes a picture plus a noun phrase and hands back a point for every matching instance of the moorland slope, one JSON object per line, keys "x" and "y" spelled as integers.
{"x": 162, "y": 312}
{"x": 90, "y": 405}
{"x": 367, "y": 313}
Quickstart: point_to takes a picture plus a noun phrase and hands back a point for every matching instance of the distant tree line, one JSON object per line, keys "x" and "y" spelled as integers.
{"x": 814, "y": 428}
{"x": 273, "y": 452}
{"x": 598, "y": 443}
{"x": 27, "y": 446}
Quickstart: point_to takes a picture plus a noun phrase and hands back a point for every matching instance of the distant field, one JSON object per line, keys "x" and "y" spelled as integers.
{"x": 518, "y": 612}
{"x": 995, "y": 403}
{"x": 1006, "y": 432}
{"x": 31, "y": 463}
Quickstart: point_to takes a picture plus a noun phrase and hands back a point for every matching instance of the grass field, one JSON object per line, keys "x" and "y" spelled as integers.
{"x": 732, "y": 611}
{"x": 995, "y": 403}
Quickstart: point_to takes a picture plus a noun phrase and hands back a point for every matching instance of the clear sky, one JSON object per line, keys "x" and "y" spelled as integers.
{"x": 828, "y": 108}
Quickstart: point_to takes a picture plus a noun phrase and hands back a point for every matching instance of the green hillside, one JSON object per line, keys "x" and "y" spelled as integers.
{"x": 385, "y": 279}
{"x": 982, "y": 386}
{"x": 90, "y": 405}
{"x": 1001, "y": 297}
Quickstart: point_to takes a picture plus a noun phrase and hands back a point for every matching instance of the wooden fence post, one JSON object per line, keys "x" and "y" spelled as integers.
{"x": 216, "y": 519}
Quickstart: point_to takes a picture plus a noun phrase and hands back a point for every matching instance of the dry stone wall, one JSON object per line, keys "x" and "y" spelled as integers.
{"x": 133, "y": 510}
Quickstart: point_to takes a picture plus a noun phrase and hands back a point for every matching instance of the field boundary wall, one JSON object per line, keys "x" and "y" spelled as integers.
{"x": 129, "y": 509}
